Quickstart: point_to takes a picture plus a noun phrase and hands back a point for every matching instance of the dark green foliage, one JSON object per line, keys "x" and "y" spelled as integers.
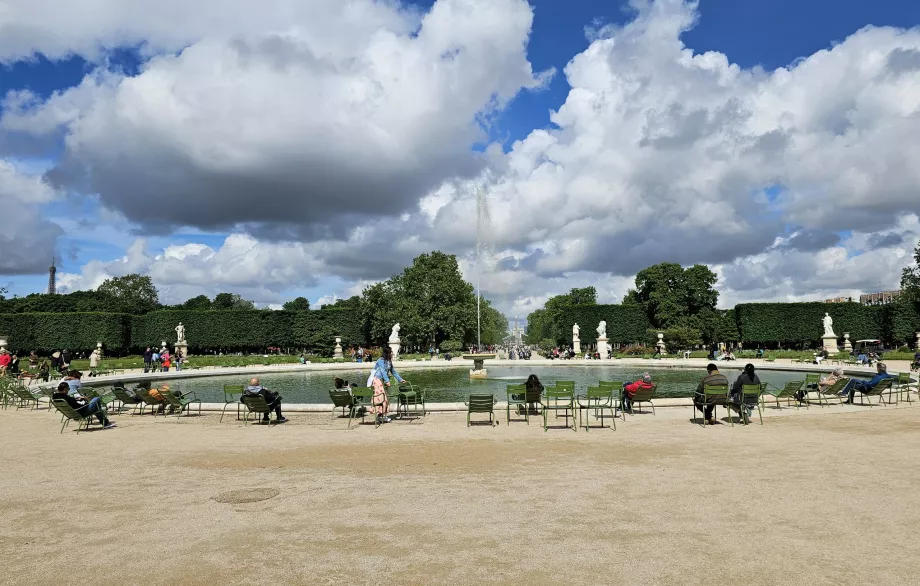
{"x": 46, "y": 332}
{"x": 451, "y": 346}
{"x": 903, "y": 321}
{"x": 133, "y": 294}
{"x": 317, "y": 330}
{"x": 230, "y": 301}
{"x": 626, "y": 324}
{"x": 672, "y": 296}
{"x": 910, "y": 279}
{"x": 299, "y": 304}
{"x": 200, "y": 303}
{"x": 78, "y": 301}
{"x": 800, "y": 323}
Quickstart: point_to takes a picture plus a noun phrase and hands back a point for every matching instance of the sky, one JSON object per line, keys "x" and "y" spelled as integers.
{"x": 313, "y": 147}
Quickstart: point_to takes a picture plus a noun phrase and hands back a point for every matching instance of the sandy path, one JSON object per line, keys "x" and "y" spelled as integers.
{"x": 812, "y": 498}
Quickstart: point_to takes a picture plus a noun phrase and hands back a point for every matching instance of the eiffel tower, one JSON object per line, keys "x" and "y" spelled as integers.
{"x": 52, "y": 281}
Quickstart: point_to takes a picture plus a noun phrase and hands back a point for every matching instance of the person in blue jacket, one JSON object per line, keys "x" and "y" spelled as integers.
{"x": 864, "y": 386}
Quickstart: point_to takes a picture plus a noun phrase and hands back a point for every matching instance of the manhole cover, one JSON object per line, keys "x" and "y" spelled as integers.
{"x": 252, "y": 495}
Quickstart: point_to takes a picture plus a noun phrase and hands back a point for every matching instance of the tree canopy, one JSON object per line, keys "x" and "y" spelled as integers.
{"x": 200, "y": 302}
{"x": 299, "y": 304}
{"x": 547, "y": 323}
{"x": 671, "y": 295}
{"x": 227, "y": 301}
{"x": 910, "y": 278}
{"x": 133, "y": 294}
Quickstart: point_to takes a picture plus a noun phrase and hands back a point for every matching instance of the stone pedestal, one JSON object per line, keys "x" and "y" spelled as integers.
{"x": 847, "y": 346}
{"x": 660, "y": 344}
{"x": 576, "y": 346}
{"x": 4, "y": 341}
{"x": 603, "y": 347}
{"x": 181, "y": 350}
{"x": 395, "y": 346}
{"x": 337, "y": 351}
{"x": 479, "y": 369}
{"x": 830, "y": 344}
{"x": 917, "y": 345}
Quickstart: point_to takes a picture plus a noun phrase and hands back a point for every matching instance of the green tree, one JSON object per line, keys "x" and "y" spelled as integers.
{"x": 430, "y": 300}
{"x": 299, "y": 304}
{"x": 134, "y": 294}
{"x": 910, "y": 278}
{"x": 673, "y": 296}
{"x": 200, "y": 302}
{"x": 547, "y": 322}
{"x": 494, "y": 325}
{"x": 226, "y": 301}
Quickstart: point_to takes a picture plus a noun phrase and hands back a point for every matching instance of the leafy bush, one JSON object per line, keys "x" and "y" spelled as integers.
{"x": 790, "y": 323}
{"x": 547, "y": 345}
{"x": 451, "y": 346}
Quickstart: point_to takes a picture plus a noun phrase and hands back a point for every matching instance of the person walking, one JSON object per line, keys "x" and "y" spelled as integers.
{"x": 380, "y": 376}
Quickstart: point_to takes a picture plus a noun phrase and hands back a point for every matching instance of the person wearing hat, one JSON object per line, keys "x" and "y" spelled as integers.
{"x": 629, "y": 389}
{"x": 4, "y": 361}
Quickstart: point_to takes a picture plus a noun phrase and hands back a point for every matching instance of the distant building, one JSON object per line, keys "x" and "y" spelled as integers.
{"x": 52, "y": 279}
{"x": 839, "y": 300}
{"x": 880, "y": 298}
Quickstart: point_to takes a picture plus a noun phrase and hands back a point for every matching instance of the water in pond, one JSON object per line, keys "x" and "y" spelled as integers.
{"x": 454, "y": 384}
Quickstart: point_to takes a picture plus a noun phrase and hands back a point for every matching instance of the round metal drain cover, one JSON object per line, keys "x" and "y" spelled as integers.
{"x": 252, "y": 495}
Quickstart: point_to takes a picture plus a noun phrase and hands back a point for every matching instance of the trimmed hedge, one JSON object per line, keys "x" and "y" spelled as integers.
{"x": 626, "y": 324}
{"x": 904, "y": 322}
{"x": 787, "y": 323}
{"x": 46, "y": 332}
{"x": 250, "y": 329}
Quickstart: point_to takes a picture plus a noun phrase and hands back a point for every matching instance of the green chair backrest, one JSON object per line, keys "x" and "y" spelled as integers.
{"x": 23, "y": 393}
{"x": 903, "y": 378}
{"x": 363, "y": 394}
{"x": 565, "y": 384}
{"x": 122, "y": 395}
{"x": 232, "y": 393}
{"x": 255, "y": 403}
{"x": 715, "y": 393}
{"x": 147, "y": 398}
{"x": 881, "y": 387}
{"x": 515, "y": 389}
{"x": 481, "y": 403}
{"x": 811, "y": 379}
{"x": 65, "y": 409}
{"x": 557, "y": 395}
{"x": 792, "y": 386}
{"x": 750, "y": 394}
{"x": 599, "y": 393}
{"x": 642, "y": 395}
{"x": 617, "y": 384}
{"x": 341, "y": 398}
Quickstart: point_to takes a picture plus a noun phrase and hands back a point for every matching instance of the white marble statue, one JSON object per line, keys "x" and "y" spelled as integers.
{"x": 602, "y": 330}
{"x": 180, "y": 333}
{"x": 394, "y": 334}
{"x": 829, "y": 326}
{"x": 575, "y": 332}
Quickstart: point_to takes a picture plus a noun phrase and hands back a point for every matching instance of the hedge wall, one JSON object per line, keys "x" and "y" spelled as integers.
{"x": 245, "y": 329}
{"x": 904, "y": 322}
{"x": 46, "y": 332}
{"x": 625, "y": 323}
{"x": 788, "y": 323}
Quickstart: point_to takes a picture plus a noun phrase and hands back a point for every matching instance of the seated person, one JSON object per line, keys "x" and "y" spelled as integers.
{"x": 79, "y": 404}
{"x": 531, "y": 385}
{"x": 820, "y": 356}
{"x": 864, "y": 386}
{"x": 272, "y": 398}
{"x": 73, "y": 380}
{"x": 629, "y": 389}
{"x": 747, "y": 377}
{"x": 759, "y": 353}
{"x": 916, "y": 363}
{"x": 713, "y": 377}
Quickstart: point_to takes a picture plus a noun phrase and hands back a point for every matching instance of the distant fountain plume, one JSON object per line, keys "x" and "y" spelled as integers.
{"x": 483, "y": 246}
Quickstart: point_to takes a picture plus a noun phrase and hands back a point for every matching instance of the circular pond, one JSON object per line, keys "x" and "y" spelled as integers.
{"x": 454, "y": 384}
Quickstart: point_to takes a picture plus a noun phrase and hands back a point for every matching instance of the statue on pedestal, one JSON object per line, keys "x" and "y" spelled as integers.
{"x": 394, "y": 333}
{"x": 180, "y": 333}
{"x": 575, "y": 332}
{"x": 602, "y": 330}
{"x": 828, "y": 326}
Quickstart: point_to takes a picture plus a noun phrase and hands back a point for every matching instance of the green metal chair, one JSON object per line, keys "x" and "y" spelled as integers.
{"x": 811, "y": 379}
{"x": 481, "y": 403}
{"x": 69, "y": 414}
{"x": 749, "y": 397}
{"x": 181, "y": 402}
{"x": 125, "y": 398}
{"x": 600, "y": 399}
{"x": 556, "y": 400}
{"x": 149, "y": 400}
{"x": 878, "y": 390}
{"x": 343, "y": 399}
{"x": 787, "y": 392}
{"x": 409, "y": 395}
{"x": 831, "y": 392}
{"x": 518, "y": 391}
{"x": 364, "y": 397}
{"x": 255, "y": 404}
{"x": 105, "y": 397}
{"x": 714, "y": 395}
{"x": 22, "y": 397}
{"x": 232, "y": 394}
{"x": 903, "y": 386}
{"x": 643, "y": 396}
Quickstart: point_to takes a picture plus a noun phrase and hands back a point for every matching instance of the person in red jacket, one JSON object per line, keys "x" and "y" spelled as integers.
{"x": 629, "y": 389}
